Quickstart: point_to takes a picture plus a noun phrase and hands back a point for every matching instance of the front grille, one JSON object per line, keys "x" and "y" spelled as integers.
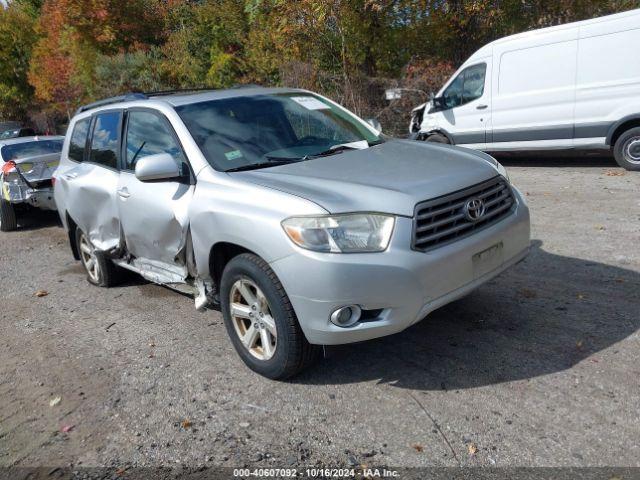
{"x": 443, "y": 220}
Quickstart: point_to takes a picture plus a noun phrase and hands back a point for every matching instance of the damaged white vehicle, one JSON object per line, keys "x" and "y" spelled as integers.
{"x": 26, "y": 169}
{"x": 303, "y": 222}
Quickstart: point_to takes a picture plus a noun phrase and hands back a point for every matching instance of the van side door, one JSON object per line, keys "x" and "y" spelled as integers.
{"x": 91, "y": 178}
{"x": 465, "y": 106}
{"x": 154, "y": 214}
{"x": 534, "y": 92}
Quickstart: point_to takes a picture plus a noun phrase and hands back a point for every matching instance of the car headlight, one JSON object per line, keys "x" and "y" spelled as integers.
{"x": 346, "y": 233}
{"x": 502, "y": 171}
{"x": 497, "y": 165}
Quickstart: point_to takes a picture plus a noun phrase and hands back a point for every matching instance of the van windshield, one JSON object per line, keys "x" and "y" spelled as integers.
{"x": 264, "y": 130}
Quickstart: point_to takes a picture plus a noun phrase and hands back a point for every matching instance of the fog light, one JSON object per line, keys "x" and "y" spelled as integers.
{"x": 346, "y": 316}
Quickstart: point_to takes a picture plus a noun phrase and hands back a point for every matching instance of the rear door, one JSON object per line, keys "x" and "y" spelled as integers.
{"x": 154, "y": 214}
{"x": 91, "y": 180}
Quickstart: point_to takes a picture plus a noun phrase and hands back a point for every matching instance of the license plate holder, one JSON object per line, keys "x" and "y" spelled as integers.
{"x": 487, "y": 260}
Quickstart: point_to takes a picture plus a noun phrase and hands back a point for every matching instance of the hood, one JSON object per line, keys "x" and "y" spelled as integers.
{"x": 390, "y": 178}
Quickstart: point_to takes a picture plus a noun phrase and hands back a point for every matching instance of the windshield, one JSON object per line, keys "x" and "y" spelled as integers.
{"x": 30, "y": 149}
{"x": 266, "y": 130}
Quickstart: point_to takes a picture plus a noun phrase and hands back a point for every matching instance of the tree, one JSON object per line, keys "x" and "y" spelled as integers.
{"x": 17, "y": 23}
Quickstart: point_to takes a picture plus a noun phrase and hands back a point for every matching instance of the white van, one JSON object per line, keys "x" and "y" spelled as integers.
{"x": 573, "y": 86}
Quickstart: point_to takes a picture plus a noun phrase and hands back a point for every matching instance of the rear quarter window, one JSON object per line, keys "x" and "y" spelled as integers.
{"x": 79, "y": 140}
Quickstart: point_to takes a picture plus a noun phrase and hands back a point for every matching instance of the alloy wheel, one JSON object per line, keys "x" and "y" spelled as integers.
{"x": 252, "y": 319}
{"x": 88, "y": 256}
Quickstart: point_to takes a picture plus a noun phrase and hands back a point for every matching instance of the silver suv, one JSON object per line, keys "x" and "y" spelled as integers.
{"x": 302, "y": 222}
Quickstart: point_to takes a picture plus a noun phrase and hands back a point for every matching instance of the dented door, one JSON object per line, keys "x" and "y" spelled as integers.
{"x": 91, "y": 184}
{"x": 154, "y": 214}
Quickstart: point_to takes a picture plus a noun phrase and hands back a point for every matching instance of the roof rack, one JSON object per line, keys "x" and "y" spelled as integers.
{"x": 128, "y": 97}
{"x": 108, "y": 101}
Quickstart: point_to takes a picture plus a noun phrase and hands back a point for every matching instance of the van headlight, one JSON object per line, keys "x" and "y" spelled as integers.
{"x": 346, "y": 233}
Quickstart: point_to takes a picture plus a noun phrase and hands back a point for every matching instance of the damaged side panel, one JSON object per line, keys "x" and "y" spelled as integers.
{"x": 90, "y": 193}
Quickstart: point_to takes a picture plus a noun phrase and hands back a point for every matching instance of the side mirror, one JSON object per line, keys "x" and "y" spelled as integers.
{"x": 375, "y": 124}
{"x": 437, "y": 104}
{"x": 160, "y": 166}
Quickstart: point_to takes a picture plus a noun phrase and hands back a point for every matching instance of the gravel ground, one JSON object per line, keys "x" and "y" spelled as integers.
{"x": 537, "y": 368}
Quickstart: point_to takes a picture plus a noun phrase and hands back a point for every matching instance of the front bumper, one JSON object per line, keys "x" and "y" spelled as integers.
{"x": 407, "y": 285}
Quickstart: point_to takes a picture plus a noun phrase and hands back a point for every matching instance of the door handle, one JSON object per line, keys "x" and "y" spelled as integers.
{"x": 70, "y": 176}
{"x": 482, "y": 107}
{"x": 124, "y": 193}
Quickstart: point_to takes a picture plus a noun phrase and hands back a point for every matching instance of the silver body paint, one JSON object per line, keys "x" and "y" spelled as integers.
{"x": 33, "y": 185}
{"x": 171, "y": 228}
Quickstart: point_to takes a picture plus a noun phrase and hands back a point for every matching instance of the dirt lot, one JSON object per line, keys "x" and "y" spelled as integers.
{"x": 537, "y": 368}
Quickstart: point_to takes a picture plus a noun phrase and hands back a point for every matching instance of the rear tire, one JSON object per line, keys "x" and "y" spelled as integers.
{"x": 273, "y": 318}
{"x": 101, "y": 271}
{"x": 8, "y": 218}
{"x": 437, "y": 138}
{"x": 627, "y": 149}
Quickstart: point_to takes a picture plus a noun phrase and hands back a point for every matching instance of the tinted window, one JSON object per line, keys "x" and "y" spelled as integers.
{"x": 260, "y": 129}
{"x": 79, "y": 140}
{"x": 467, "y": 86}
{"x": 149, "y": 134}
{"x": 104, "y": 141}
{"x": 30, "y": 149}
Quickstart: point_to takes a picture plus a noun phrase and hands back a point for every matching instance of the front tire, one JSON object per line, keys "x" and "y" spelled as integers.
{"x": 260, "y": 319}
{"x": 8, "y": 218}
{"x": 437, "y": 138}
{"x": 100, "y": 270}
{"x": 627, "y": 149}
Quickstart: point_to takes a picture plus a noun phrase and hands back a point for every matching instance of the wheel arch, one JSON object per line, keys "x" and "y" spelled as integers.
{"x": 621, "y": 126}
{"x": 440, "y": 131}
{"x": 71, "y": 233}
{"x": 221, "y": 254}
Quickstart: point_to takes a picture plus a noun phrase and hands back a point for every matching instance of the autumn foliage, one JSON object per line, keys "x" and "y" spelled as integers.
{"x": 58, "y": 54}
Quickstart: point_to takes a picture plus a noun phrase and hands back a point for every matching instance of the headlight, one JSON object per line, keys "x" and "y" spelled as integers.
{"x": 348, "y": 233}
{"x": 498, "y": 166}
{"x": 502, "y": 171}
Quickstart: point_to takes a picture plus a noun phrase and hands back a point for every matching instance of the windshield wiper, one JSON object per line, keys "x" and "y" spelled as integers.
{"x": 331, "y": 151}
{"x": 255, "y": 166}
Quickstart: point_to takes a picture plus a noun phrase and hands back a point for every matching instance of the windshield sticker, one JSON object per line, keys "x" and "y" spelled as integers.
{"x": 233, "y": 155}
{"x": 310, "y": 103}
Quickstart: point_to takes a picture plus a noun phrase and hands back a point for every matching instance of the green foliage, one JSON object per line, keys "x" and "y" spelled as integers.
{"x": 17, "y": 23}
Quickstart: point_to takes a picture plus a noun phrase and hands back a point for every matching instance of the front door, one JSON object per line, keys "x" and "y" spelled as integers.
{"x": 465, "y": 107}
{"x": 154, "y": 214}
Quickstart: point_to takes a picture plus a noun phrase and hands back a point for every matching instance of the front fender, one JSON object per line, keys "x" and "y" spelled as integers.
{"x": 227, "y": 210}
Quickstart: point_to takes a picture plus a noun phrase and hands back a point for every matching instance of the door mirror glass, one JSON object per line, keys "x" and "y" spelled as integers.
{"x": 375, "y": 124}
{"x": 160, "y": 166}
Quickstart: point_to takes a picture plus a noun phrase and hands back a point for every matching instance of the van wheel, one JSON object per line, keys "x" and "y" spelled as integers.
{"x": 8, "y": 218}
{"x": 627, "y": 149}
{"x": 260, "y": 319}
{"x": 100, "y": 270}
{"x": 437, "y": 138}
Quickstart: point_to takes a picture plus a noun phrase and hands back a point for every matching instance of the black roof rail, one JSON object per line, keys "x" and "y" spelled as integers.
{"x": 108, "y": 101}
{"x": 127, "y": 97}
{"x": 179, "y": 90}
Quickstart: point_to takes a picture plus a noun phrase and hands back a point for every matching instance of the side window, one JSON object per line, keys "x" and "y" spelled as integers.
{"x": 453, "y": 94}
{"x": 149, "y": 134}
{"x": 473, "y": 82}
{"x": 467, "y": 86}
{"x": 79, "y": 139}
{"x": 104, "y": 141}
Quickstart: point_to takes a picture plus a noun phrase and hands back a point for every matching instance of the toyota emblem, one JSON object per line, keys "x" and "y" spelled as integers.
{"x": 474, "y": 209}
